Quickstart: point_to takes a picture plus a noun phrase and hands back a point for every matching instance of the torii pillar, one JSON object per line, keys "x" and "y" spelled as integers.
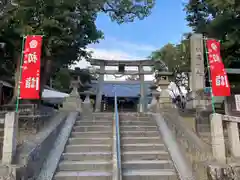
{"x": 142, "y": 90}
{"x": 100, "y": 86}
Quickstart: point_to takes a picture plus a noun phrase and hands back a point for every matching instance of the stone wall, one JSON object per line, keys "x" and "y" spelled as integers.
{"x": 32, "y": 153}
{"x": 218, "y": 171}
{"x": 197, "y": 152}
{"x": 34, "y": 159}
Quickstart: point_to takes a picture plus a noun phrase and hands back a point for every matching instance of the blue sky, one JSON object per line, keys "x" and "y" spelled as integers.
{"x": 166, "y": 24}
{"x": 138, "y": 39}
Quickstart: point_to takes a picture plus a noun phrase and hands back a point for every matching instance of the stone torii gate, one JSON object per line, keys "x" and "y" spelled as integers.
{"x": 121, "y": 64}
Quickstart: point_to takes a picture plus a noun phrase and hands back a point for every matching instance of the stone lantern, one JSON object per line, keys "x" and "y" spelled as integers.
{"x": 164, "y": 82}
{"x": 73, "y": 101}
{"x": 155, "y": 97}
{"x": 87, "y": 107}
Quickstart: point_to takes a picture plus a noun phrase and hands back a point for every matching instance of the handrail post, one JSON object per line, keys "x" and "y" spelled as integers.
{"x": 117, "y": 169}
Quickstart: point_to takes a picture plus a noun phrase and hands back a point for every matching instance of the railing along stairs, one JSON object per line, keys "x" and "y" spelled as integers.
{"x": 117, "y": 173}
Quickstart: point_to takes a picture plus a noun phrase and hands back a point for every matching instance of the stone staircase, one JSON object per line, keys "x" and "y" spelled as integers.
{"x": 144, "y": 155}
{"x": 88, "y": 153}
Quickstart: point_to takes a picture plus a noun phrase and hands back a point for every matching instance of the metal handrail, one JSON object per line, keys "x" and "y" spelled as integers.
{"x": 118, "y": 146}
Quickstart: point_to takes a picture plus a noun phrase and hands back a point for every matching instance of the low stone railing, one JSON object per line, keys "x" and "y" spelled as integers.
{"x": 217, "y": 134}
{"x": 29, "y": 115}
{"x": 197, "y": 152}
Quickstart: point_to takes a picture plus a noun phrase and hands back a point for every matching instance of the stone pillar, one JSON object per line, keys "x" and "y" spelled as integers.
{"x": 226, "y": 106}
{"x": 165, "y": 99}
{"x": 100, "y": 86}
{"x": 10, "y": 137}
{"x": 233, "y": 131}
{"x": 190, "y": 80}
{"x": 73, "y": 102}
{"x": 142, "y": 93}
{"x": 87, "y": 108}
{"x": 233, "y": 136}
{"x": 1, "y": 93}
{"x": 197, "y": 63}
{"x": 218, "y": 145}
{"x": 155, "y": 100}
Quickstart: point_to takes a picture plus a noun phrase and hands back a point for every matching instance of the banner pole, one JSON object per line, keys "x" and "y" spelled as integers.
{"x": 20, "y": 75}
{"x": 209, "y": 75}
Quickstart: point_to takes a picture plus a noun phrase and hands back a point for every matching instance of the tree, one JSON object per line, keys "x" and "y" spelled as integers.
{"x": 176, "y": 59}
{"x": 63, "y": 34}
{"x": 219, "y": 20}
{"x": 63, "y": 77}
{"x": 68, "y": 27}
{"x": 168, "y": 55}
{"x": 6, "y": 5}
{"x": 62, "y": 80}
{"x": 127, "y": 11}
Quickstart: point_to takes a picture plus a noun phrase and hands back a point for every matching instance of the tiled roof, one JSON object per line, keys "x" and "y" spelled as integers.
{"x": 122, "y": 89}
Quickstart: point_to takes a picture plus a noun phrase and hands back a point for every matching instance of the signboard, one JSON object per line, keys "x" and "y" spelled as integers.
{"x": 30, "y": 76}
{"x": 197, "y": 62}
{"x": 220, "y": 84}
{"x": 237, "y": 102}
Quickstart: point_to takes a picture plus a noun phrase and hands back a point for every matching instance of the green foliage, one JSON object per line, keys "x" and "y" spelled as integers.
{"x": 65, "y": 25}
{"x": 84, "y": 74}
{"x": 173, "y": 58}
{"x": 217, "y": 19}
{"x": 62, "y": 80}
{"x": 68, "y": 26}
{"x": 63, "y": 77}
{"x": 128, "y": 10}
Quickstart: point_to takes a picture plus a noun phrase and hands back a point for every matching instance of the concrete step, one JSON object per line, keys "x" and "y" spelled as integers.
{"x": 87, "y": 156}
{"x": 91, "y": 140}
{"x": 143, "y": 147}
{"x": 143, "y": 119}
{"x": 139, "y": 133}
{"x": 135, "y": 122}
{"x": 103, "y": 114}
{"x": 103, "y": 117}
{"x": 89, "y": 123}
{"x": 85, "y": 166}
{"x": 95, "y": 118}
{"x": 91, "y": 128}
{"x": 74, "y": 175}
{"x": 138, "y": 128}
{"x": 150, "y": 174}
{"x": 131, "y": 114}
{"x": 147, "y": 164}
{"x": 141, "y": 140}
{"x": 88, "y": 148}
{"x": 92, "y": 134}
{"x": 156, "y": 174}
{"x": 145, "y": 155}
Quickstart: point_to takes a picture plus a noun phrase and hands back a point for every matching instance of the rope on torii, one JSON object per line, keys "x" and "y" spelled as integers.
{"x": 118, "y": 76}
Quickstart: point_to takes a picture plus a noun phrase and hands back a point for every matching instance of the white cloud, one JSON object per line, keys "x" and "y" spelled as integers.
{"x": 109, "y": 55}
{"x": 132, "y": 46}
{"x": 114, "y": 49}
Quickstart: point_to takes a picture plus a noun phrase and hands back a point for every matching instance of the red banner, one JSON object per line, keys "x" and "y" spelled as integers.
{"x": 30, "y": 77}
{"x": 220, "y": 84}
